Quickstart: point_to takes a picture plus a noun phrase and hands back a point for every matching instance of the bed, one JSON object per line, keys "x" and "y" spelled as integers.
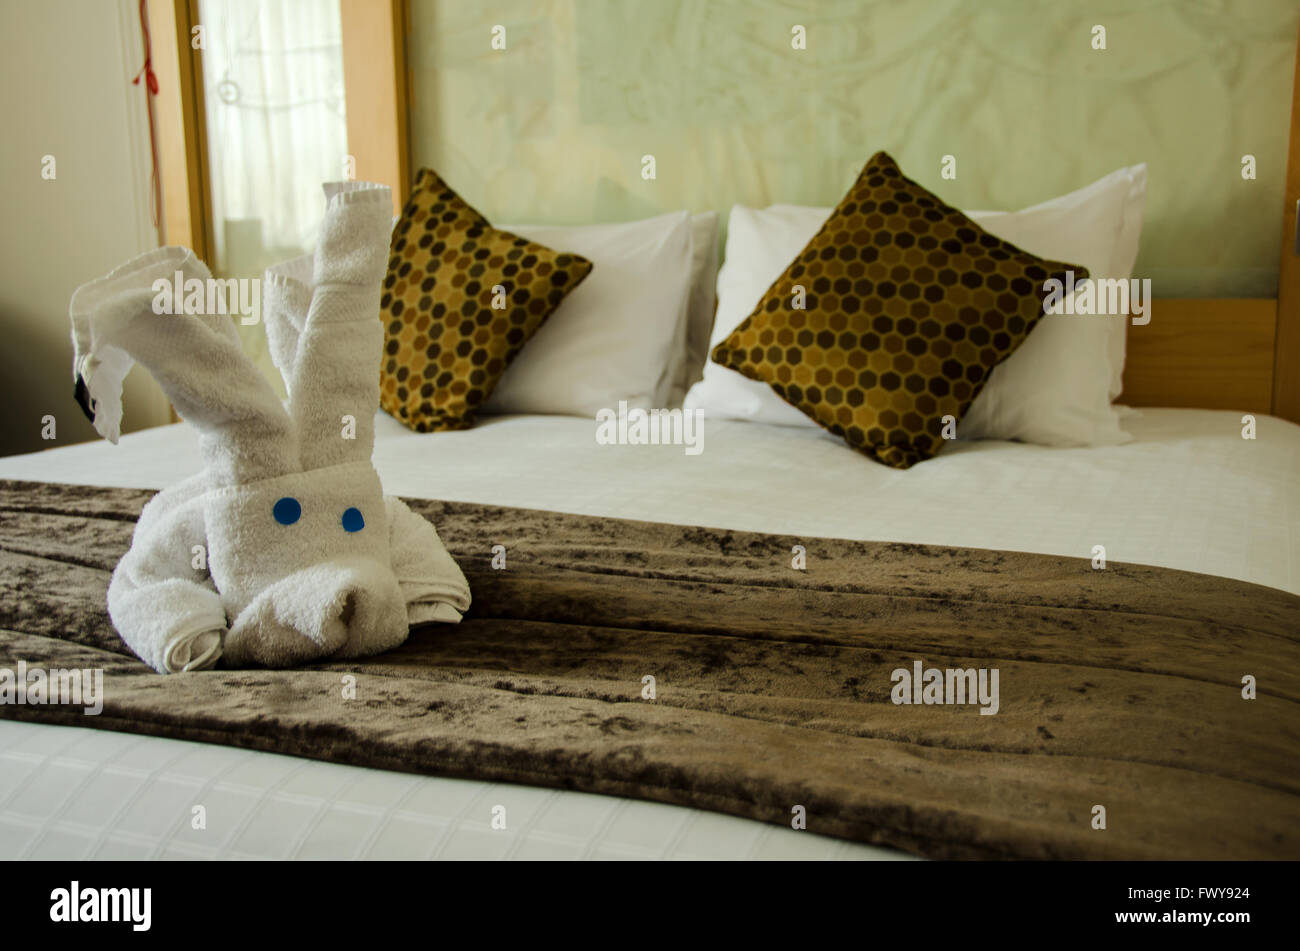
{"x": 1139, "y": 595}
{"x": 1188, "y": 493}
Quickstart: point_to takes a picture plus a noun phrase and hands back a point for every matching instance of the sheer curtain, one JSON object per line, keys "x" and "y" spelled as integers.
{"x": 273, "y": 85}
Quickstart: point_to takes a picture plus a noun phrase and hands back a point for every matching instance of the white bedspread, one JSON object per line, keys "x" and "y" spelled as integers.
{"x": 1188, "y": 493}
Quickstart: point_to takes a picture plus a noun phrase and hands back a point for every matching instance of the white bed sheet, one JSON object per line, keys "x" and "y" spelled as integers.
{"x": 74, "y": 793}
{"x": 1188, "y": 493}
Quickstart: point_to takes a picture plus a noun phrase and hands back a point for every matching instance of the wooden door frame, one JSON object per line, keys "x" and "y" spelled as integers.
{"x": 181, "y": 124}
{"x": 375, "y": 73}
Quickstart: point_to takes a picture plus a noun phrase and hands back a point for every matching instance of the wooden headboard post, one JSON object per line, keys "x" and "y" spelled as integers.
{"x": 1286, "y": 365}
{"x": 1239, "y": 354}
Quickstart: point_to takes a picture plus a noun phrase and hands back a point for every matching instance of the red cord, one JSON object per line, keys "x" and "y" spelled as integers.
{"x": 151, "y": 87}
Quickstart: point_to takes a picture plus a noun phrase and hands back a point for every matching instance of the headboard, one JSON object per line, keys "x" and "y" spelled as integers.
{"x": 1240, "y": 354}
{"x": 1030, "y": 99}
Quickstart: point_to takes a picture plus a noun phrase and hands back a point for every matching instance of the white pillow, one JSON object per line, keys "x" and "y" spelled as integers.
{"x": 1059, "y": 390}
{"x": 1078, "y": 228}
{"x": 761, "y": 243}
{"x": 1057, "y": 387}
{"x": 618, "y": 335}
{"x": 1126, "y": 252}
{"x": 694, "y": 350}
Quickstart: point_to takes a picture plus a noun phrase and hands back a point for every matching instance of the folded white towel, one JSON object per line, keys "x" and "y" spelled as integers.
{"x": 167, "y": 610}
{"x": 284, "y": 549}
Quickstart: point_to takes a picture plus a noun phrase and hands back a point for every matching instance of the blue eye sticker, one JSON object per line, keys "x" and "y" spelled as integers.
{"x": 352, "y": 520}
{"x": 287, "y": 511}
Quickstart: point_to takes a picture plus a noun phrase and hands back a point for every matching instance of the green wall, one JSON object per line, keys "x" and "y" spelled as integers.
{"x": 553, "y": 128}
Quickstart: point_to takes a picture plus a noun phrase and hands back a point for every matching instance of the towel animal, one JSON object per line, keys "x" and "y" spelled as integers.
{"x": 283, "y": 549}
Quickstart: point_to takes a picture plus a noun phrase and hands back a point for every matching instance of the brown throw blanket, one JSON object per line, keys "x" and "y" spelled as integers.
{"x": 1119, "y": 688}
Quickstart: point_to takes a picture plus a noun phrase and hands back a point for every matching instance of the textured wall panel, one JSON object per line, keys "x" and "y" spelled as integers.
{"x": 552, "y": 129}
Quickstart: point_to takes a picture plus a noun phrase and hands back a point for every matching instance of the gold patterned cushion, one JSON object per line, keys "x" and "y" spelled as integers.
{"x": 460, "y": 301}
{"x": 891, "y": 318}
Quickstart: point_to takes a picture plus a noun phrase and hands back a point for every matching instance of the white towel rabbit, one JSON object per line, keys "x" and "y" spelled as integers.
{"x": 284, "y": 548}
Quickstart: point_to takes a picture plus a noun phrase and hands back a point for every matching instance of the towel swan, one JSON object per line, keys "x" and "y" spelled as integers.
{"x": 283, "y": 549}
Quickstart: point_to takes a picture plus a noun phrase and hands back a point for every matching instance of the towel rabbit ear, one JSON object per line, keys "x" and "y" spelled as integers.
{"x": 333, "y": 377}
{"x": 286, "y": 297}
{"x": 131, "y": 315}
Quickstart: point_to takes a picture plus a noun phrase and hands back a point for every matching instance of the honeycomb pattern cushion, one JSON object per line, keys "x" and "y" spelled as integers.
{"x": 460, "y": 301}
{"x": 892, "y": 317}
